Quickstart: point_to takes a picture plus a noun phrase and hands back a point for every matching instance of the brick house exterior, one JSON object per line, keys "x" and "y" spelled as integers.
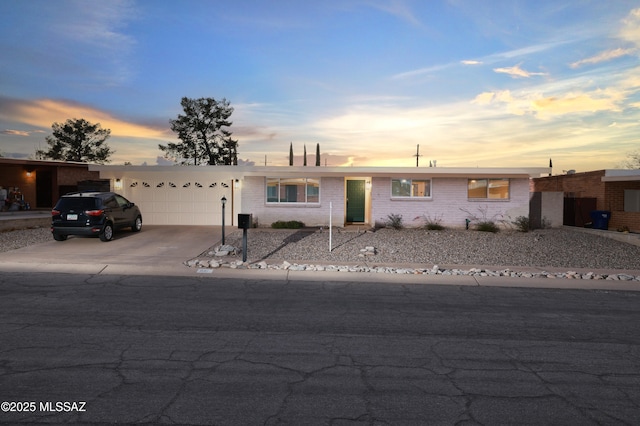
{"x": 42, "y": 182}
{"x": 191, "y": 195}
{"x": 606, "y": 186}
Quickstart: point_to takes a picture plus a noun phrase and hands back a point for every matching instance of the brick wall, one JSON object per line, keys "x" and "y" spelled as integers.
{"x": 578, "y": 185}
{"x": 614, "y": 200}
{"x": 609, "y": 195}
{"x": 331, "y": 191}
{"x": 449, "y": 203}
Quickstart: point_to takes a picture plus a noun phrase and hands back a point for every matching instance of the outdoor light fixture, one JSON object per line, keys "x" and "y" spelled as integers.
{"x": 223, "y": 200}
{"x": 236, "y": 183}
{"x": 28, "y": 174}
{"x": 118, "y": 184}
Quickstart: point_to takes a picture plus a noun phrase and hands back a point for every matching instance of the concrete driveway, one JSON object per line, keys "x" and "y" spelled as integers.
{"x": 154, "y": 246}
{"x": 161, "y": 250}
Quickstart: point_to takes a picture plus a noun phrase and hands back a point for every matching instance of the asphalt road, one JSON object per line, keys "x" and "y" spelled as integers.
{"x": 85, "y": 348}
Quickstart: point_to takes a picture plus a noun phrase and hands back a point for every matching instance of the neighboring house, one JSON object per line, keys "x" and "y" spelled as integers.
{"x": 40, "y": 183}
{"x": 616, "y": 191}
{"x": 191, "y": 195}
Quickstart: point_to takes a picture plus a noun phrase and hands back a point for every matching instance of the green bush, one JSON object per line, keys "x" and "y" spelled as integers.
{"x": 394, "y": 221}
{"x": 291, "y": 224}
{"x": 487, "y": 226}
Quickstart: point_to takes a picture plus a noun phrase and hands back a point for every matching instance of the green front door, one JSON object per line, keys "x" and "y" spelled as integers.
{"x": 355, "y": 201}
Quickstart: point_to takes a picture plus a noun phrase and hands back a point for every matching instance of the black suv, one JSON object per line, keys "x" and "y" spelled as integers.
{"x": 93, "y": 213}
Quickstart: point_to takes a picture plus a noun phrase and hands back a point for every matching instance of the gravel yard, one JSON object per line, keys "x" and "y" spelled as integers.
{"x": 11, "y": 240}
{"x": 563, "y": 248}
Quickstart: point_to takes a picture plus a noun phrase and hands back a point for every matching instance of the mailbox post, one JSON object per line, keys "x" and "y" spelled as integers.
{"x": 244, "y": 223}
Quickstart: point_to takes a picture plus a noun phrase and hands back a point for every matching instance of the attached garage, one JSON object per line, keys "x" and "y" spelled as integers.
{"x": 179, "y": 195}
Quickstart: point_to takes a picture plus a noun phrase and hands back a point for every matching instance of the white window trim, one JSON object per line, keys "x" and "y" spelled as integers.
{"x": 487, "y": 199}
{"x": 411, "y": 197}
{"x": 292, "y": 203}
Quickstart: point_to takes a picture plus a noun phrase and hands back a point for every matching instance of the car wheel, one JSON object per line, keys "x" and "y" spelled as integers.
{"x": 137, "y": 225}
{"x": 107, "y": 233}
{"x": 59, "y": 237}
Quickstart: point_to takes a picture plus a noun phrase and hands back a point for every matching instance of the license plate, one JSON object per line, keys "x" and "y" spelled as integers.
{"x": 72, "y": 217}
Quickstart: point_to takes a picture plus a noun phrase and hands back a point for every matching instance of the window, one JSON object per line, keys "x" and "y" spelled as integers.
{"x": 411, "y": 188}
{"x": 293, "y": 190}
{"x": 632, "y": 200}
{"x": 497, "y": 189}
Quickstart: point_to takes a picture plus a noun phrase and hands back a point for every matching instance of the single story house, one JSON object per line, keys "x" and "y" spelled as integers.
{"x": 614, "y": 190}
{"x": 191, "y": 195}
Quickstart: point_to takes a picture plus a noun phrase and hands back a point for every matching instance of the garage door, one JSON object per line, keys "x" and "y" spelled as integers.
{"x": 183, "y": 201}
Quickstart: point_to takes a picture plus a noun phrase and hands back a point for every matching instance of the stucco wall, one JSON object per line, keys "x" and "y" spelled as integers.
{"x": 449, "y": 203}
{"x": 331, "y": 191}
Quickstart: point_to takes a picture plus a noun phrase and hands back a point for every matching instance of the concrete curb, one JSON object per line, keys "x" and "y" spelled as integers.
{"x": 257, "y": 275}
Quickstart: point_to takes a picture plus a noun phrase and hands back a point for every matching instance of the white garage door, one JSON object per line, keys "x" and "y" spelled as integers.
{"x": 182, "y": 200}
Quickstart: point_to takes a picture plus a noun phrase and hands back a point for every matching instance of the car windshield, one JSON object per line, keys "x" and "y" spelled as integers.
{"x": 76, "y": 204}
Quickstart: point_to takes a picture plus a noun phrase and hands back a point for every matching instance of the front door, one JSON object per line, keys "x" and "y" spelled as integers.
{"x": 355, "y": 201}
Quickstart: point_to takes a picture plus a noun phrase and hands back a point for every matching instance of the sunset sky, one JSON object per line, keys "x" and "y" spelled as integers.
{"x": 474, "y": 83}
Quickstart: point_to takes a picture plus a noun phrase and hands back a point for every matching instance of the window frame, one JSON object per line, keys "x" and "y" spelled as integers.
{"x": 411, "y": 187}
{"x": 310, "y": 183}
{"x": 487, "y": 189}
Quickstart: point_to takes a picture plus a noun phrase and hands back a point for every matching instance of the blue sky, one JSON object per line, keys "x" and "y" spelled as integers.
{"x": 474, "y": 83}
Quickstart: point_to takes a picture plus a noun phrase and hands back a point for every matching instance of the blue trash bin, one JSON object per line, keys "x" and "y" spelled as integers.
{"x": 600, "y": 219}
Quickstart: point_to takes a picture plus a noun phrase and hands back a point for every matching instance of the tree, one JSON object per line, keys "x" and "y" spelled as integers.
{"x": 77, "y": 140}
{"x": 317, "y": 154}
{"x": 632, "y": 161}
{"x": 203, "y": 133}
{"x": 305, "y": 155}
{"x": 291, "y": 154}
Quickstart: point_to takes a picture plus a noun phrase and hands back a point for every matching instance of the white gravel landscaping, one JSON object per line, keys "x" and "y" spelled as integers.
{"x": 383, "y": 249}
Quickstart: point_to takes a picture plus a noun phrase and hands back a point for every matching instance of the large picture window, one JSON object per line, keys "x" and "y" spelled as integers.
{"x": 497, "y": 189}
{"x": 293, "y": 190}
{"x": 411, "y": 188}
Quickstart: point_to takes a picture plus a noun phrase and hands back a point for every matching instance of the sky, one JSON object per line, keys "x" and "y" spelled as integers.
{"x": 474, "y": 83}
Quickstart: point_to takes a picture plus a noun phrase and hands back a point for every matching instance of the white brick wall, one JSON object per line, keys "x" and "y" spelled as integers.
{"x": 448, "y": 203}
{"x": 331, "y": 190}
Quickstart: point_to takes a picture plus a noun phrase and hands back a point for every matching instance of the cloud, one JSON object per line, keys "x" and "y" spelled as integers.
{"x": 97, "y": 29}
{"x": 15, "y": 132}
{"x": 631, "y": 27}
{"x": 517, "y": 72}
{"x": 604, "y": 56}
{"x": 605, "y": 100}
{"x": 398, "y": 9}
{"x": 471, "y": 62}
{"x": 44, "y": 112}
{"x": 545, "y": 107}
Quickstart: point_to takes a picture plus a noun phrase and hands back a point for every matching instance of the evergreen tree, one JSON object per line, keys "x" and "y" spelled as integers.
{"x": 77, "y": 140}
{"x": 203, "y": 133}
{"x": 291, "y": 154}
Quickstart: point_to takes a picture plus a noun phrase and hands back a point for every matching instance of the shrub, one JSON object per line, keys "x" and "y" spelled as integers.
{"x": 394, "y": 221}
{"x": 487, "y": 226}
{"x": 292, "y": 224}
{"x": 434, "y": 226}
{"x": 521, "y": 223}
{"x": 431, "y": 224}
